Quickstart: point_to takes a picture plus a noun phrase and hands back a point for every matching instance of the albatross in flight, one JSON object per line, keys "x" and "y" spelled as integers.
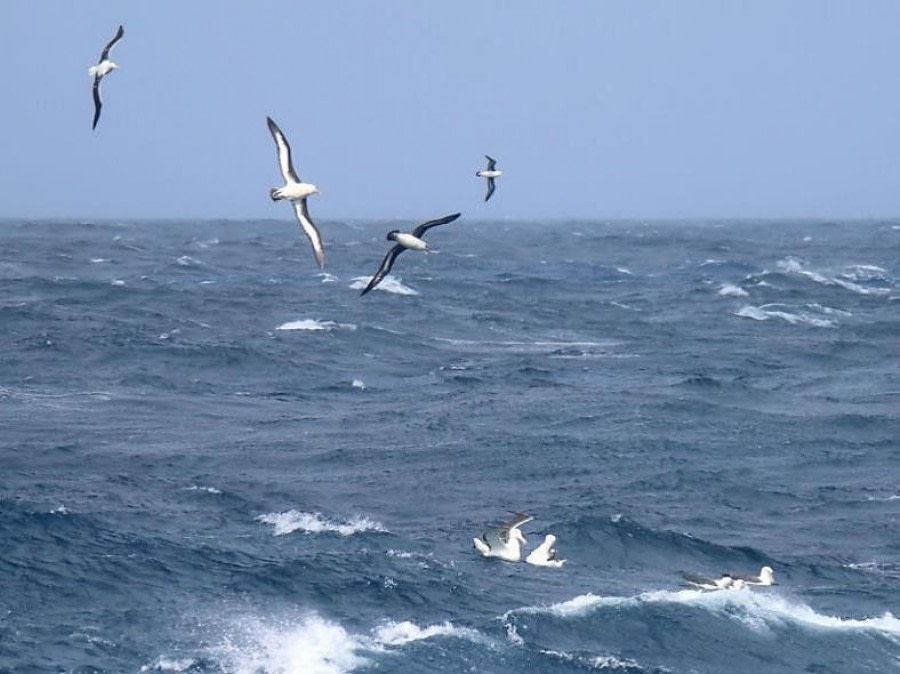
{"x": 405, "y": 240}
{"x": 504, "y": 542}
{"x": 490, "y": 173}
{"x": 98, "y": 72}
{"x": 296, "y": 191}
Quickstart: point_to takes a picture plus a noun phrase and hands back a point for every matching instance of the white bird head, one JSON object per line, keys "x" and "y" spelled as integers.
{"x": 517, "y": 535}
{"x": 767, "y": 575}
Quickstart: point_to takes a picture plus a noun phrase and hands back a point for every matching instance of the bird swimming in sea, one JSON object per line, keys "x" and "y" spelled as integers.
{"x": 766, "y": 577}
{"x": 505, "y": 542}
{"x": 405, "y": 240}
{"x": 296, "y": 191}
{"x": 491, "y": 172}
{"x": 98, "y": 72}
{"x": 545, "y": 554}
{"x": 725, "y": 582}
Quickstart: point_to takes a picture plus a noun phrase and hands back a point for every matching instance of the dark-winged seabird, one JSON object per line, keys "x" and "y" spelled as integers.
{"x": 491, "y": 172}
{"x": 99, "y": 71}
{"x": 505, "y": 542}
{"x": 405, "y": 240}
{"x": 766, "y": 577}
{"x": 296, "y": 191}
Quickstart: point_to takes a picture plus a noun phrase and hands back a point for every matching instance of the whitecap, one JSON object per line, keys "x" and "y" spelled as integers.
{"x": 188, "y": 261}
{"x": 358, "y": 383}
{"x": 758, "y": 610}
{"x": 314, "y": 645}
{"x": 315, "y": 523}
{"x": 389, "y": 284}
{"x": 858, "y": 272}
{"x": 763, "y": 314}
{"x": 313, "y": 324}
{"x": 328, "y": 278}
{"x": 99, "y": 260}
{"x": 164, "y": 664}
{"x": 118, "y": 283}
{"x": 208, "y": 490}
{"x": 729, "y": 290}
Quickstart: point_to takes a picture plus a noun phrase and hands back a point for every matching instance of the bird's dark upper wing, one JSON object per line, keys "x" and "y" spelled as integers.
{"x": 385, "y": 267}
{"x": 491, "y": 187}
{"x": 284, "y": 153}
{"x": 425, "y": 226}
{"x": 492, "y": 163}
{"x": 105, "y": 54}
{"x": 694, "y": 579}
{"x": 97, "y": 102}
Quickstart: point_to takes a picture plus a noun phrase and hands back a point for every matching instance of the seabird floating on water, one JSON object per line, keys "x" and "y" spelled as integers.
{"x": 491, "y": 172}
{"x": 99, "y": 71}
{"x": 504, "y": 542}
{"x": 405, "y": 240}
{"x": 296, "y": 191}
{"x": 545, "y": 554}
{"x": 766, "y": 577}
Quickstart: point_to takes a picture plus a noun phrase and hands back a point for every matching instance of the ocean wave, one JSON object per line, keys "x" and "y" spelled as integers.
{"x": 766, "y": 311}
{"x": 314, "y": 645}
{"x": 598, "y": 662}
{"x": 315, "y": 523}
{"x": 729, "y": 290}
{"x": 389, "y": 285}
{"x": 313, "y": 324}
{"x": 756, "y": 609}
{"x": 851, "y": 278}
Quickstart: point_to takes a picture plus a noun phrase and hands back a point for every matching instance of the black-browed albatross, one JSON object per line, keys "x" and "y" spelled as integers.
{"x": 296, "y": 191}
{"x": 98, "y": 72}
{"x": 405, "y": 240}
{"x": 491, "y": 172}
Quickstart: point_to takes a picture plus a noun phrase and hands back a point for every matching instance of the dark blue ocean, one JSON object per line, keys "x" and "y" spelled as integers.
{"x": 216, "y": 459}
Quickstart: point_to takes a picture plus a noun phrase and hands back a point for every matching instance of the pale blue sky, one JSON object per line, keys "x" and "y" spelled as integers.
{"x": 593, "y": 108}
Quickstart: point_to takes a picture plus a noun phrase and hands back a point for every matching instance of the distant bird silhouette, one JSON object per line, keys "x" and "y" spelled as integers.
{"x": 491, "y": 172}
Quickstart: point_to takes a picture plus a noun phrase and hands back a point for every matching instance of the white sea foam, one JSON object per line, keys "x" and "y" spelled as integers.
{"x": 207, "y": 490}
{"x": 328, "y": 278}
{"x": 99, "y": 260}
{"x": 314, "y": 645}
{"x": 729, "y": 290}
{"x": 313, "y": 324}
{"x": 846, "y": 280}
{"x": 389, "y": 284}
{"x": 315, "y": 523}
{"x": 358, "y": 383}
{"x": 600, "y": 662}
{"x": 766, "y": 311}
{"x": 757, "y": 609}
{"x": 164, "y": 664}
{"x": 117, "y": 282}
{"x": 188, "y": 261}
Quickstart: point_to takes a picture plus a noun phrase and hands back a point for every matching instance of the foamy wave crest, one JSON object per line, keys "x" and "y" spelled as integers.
{"x": 169, "y": 665}
{"x": 389, "y": 285}
{"x": 767, "y": 311}
{"x": 756, "y": 609}
{"x": 318, "y": 646}
{"x": 313, "y": 324}
{"x": 315, "y": 523}
{"x": 406, "y": 632}
{"x": 599, "y": 662}
{"x": 849, "y": 279}
{"x": 729, "y": 290}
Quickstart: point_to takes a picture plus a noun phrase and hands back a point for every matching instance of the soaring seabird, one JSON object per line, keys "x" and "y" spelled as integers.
{"x": 545, "y": 554}
{"x": 504, "y": 542}
{"x": 99, "y": 71}
{"x": 490, "y": 173}
{"x": 405, "y": 240}
{"x": 766, "y": 577}
{"x": 296, "y": 191}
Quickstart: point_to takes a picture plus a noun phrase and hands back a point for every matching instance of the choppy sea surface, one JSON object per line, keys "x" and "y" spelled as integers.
{"x": 216, "y": 459}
